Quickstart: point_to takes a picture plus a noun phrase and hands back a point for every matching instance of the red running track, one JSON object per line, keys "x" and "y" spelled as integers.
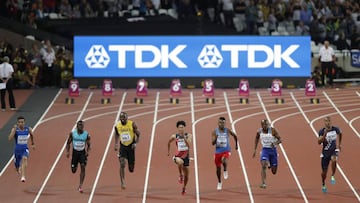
{"x": 49, "y": 177}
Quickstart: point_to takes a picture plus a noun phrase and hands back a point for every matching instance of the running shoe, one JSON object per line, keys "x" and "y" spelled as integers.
{"x": 81, "y": 190}
{"x": 181, "y": 179}
{"x": 332, "y": 180}
{"x": 123, "y": 186}
{"x": 263, "y": 186}
{"x": 226, "y": 175}
{"x": 324, "y": 189}
{"x": 219, "y": 186}
{"x": 23, "y": 179}
{"x": 183, "y": 192}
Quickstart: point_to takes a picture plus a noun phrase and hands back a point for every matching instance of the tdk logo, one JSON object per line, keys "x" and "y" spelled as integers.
{"x": 209, "y": 57}
{"x": 97, "y": 57}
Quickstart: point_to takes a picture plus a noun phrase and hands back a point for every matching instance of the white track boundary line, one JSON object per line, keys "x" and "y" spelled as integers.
{"x": 197, "y": 188}
{"x": 284, "y": 153}
{"x": 36, "y": 125}
{"x": 335, "y": 107}
{"x": 148, "y": 165}
{"x": 106, "y": 149}
{"x": 239, "y": 150}
{"x": 316, "y": 133}
{"x": 60, "y": 153}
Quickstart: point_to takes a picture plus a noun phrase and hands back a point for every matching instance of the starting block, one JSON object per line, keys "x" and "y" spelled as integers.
{"x": 314, "y": 100}
{"x": 310, "y": 90}
{"x": 105, "y": 101}
{"x": 279, "y": 100}
{"x": 138, "y": 100}
{"x": 244, "y": 100}
{"x": 174, "y": 100}
{"x": 210, "y": 100}
{"x": 69, "y": 101}
{"x": 244, "y": 90}
{"x": 74, "y": 91}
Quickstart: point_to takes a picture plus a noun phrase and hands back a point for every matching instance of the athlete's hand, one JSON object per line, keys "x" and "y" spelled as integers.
{"x": 33, "y": 146}
{"x": 67, "y": 154}
{"x": 116, "y": 147}
{"x": 254, "y": 154}
{"x": 133, "y": 146}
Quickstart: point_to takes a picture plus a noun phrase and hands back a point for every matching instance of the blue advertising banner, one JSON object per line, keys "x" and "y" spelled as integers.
{"x": 192, "y": 56}
{"x": 355, "y": 58}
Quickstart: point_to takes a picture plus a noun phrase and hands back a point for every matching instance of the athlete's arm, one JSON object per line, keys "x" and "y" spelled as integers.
{"x": 12, "y": 133}
{"x": 172, "y": 138}
{"x": 257, "y": 138}
{"x": 136, "y": 132}
{"x": 322, "y": 136}
{"x": 116, "y": 136}
{"x": 32, "y": 137}
{"x": 235, "y": 138}
{"x": 277, "y": 136}
{"x": 88, "y": 143}
{"x": 213, "y": 138}
{"x": 68, "y": 142}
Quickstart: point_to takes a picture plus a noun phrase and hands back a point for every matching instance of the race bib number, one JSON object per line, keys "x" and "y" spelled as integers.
{"x": 22, "y": 140}
{"x": 175, "y": 88}
{"x": 310, "y": 88}
{"x": 142, "y": 88}
{"x": 107, "y": 88}
{"x": 208, "y": 89}
{"x": 221, "y": 141}
{"x": 79, "y": 146}
{"x": 74, "y": 88}
{"x": 125, "y": 137}
{"x": 267, "y": 140}
{"x": 244, "y": 88}
{"x": 182, "y": 146}
{"x": 331, "y": 136}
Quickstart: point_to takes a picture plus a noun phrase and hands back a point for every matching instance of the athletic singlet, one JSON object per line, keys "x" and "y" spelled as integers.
{"x": 79, "y": 140}
{"x": 330, "y": 137}
{"x": 222, "y": 141}
{"x": 126, "y": 132}
{"x": 21, "y": 138}
{"x": 267, "y": 139}
{"x": 182, "y": 150}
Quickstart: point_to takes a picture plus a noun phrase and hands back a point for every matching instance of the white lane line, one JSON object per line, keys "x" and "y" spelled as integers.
{"x": 106, "y": 149}
{"x": 335, "y": 107}
{"x": 36, "y": 125}
{"x": 316, "y": 135}
{"x": 239, "y": 150}
{"x": 146, "y": 183}
{"x": 195, "y": 148}
{"x": 284, "y": 153}
{"x": 60, "y": 154}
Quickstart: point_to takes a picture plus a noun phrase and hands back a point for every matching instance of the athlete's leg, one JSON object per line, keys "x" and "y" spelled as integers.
{"x": 122, "y": 171}
{"x": 23, "y": 167}
{"x": 264, "y": 164}
{"x": 82, "y": 174}
{"x": 333, "y": 165}
{"x": 274, "y": 162}
{"x": 324, "y": 165}
{"x": 186, "y": 175}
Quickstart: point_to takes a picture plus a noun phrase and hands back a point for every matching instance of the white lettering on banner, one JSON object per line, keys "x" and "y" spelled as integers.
{"x": 209, "y": 57}
{"x": 161, "y": 56}
{"x": 355, "y": 59}
{"x": 275, "y": 55}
